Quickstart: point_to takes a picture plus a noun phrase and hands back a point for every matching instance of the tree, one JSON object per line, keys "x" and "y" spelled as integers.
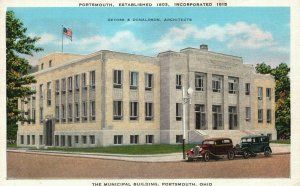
{"x": 282, "y": 96}
{"x": 18, "y": 44}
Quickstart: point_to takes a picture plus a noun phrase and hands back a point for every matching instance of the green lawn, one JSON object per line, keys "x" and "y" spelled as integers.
{"x": 281, "y": 141}
{"x": 12, "y": 145}
{"x": 132, "y": 149}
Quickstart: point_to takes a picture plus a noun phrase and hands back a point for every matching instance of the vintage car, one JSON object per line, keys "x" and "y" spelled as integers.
{"x": 251, "y": 145}
{"x": 212, "y": 148}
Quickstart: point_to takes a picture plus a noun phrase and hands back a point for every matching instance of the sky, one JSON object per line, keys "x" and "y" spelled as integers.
{"x": 257, "y": 34}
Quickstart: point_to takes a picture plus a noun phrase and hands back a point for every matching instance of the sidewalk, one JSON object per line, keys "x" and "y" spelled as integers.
{"x": 173, "y": 157}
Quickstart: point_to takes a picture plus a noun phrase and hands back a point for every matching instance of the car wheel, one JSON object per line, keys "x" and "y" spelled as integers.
{"x": 206, "y": 157}
{"x": 230, "y": 155}
{"x": 267, "y": 152}
{"x": 246, "y": 154}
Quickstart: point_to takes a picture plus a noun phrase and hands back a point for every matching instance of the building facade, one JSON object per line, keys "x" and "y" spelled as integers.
{"x": 112, "y": 98}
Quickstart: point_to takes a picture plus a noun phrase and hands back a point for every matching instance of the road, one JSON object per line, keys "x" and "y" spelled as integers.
{"x": 22, "y": 165}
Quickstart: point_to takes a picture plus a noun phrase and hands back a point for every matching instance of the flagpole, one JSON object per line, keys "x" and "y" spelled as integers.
{"x": 62, "y": 39}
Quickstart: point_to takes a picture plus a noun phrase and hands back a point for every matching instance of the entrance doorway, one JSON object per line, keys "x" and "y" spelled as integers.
{"x": 49, "y": 132}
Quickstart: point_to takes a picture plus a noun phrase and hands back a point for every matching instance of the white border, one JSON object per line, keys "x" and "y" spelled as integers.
{"x": 295, "y": 96}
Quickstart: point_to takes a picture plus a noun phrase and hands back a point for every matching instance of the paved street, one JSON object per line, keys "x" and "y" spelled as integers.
{"x": 23, "y": 165}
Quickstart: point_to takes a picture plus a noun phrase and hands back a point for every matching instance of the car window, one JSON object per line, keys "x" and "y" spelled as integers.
{"x": 246, "y": 140}
{"x": 208, "y": 142}
{"x": 219, "y": 142}
{"x": 226, "y": 141}
{"x": 264, "y": 139}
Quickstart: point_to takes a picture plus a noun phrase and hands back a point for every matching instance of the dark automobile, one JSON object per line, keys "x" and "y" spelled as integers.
{"x": 212, "y": 148}
{"x": 251, "y": 145}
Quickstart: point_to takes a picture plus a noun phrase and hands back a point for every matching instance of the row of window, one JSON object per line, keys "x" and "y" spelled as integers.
{"x": 133, "y": 110}
{"x": 217, "y": 116}
{"x": 30, "y": 139}
{"x": 72, "y": 112}
{"x": 73, "y": 84}
{"x": 233, "y": 85}
{"x": 67, "y": 140}
{"x": 134, "y": 139}
{"x": 133, "y": 79}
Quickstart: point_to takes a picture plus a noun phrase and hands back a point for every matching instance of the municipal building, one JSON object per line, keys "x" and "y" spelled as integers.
{"x": 111, "y": 98}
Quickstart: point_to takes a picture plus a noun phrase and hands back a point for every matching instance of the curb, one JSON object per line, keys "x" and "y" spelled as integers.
{"x": 117, "y": 157}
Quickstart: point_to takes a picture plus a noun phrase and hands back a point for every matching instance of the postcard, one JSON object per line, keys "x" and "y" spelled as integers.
{"x": 150, "y": 93}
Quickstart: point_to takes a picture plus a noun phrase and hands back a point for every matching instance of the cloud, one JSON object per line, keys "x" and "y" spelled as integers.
{"x": 123, "y": 40}
{"x": 235, "y": 36}
{"x": 47, "y": 38}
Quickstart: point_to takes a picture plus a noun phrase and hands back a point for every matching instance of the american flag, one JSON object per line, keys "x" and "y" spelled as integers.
{"x": 68, "y": 32}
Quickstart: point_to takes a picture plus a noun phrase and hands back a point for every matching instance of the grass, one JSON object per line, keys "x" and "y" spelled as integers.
{"x": 12, "y": 145}
{"x": 288, "y": 141}
{"x": 131, "y": 150}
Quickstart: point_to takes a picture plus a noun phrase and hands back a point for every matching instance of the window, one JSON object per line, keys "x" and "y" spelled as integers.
{"x": 76, "y": 140}
{"x": 77, "y": 82}
{"x": 118, "y": 78}
{"x": 22, "y": 139}
{"x": 83, "y": 80}
{"x": 50, "y": 63}
{"x": 84, "y": 111}
{"x": 260, "y": 93}
{"x": 49, "y": 94}
{"x": 57, "y": 113}
{"x": 216, "y": 83}
{"x": 41, "y": 114}
{"x": 41, "y": 91}
{"x": 63, "y": 85}
{"x": 149, "y": 139}
{"x": 93, "y": 79}
{"x": 28, "y": 139}
{"x": 247, "y": 88}
{"x": 260, "y": 115}
{"x": 63, "y": 113}
{"x": 200, "y": 117}
{"x": 69, "y": 141}
{"x": 118, "y": 110}
{"x": 268, "y": 93}
{"x": 22, "y": 110}
{"x": 70, "y": 112}
{"x": 134, "y": 139}
{"x": 148, "y": 81}
{"x": 92, "y": 139}
{"x": 77, "y": 113}
{"x": 92, "y": 110}
{"x": 41, "y": 139}
{"x": 217, "y": 117}
{"x": 134, "y": 110}
{"x": 84, "y": 139}
{"x": 248, "y": 113}
{"x": 148, "y": 111}
{"x": 269, "y": 115}
{"x": 134, "y": 79}
{"x": 233, "y": 117}
{"x": 232, "y": 85}
{"x": 178, "y": 111}
{"x": 56, "y": 140}
{"x": 42, "y": 66}
{"x": 57, "y": 86}
{"x": 33, "y": 139}
{"x": 29, "y": 109}
{"x": 199, "y": 82}
{"x": 118, "y": 139}
{"x": 70, "y": 84}
{"x": 179, "y": 138}
{"x": 33, "y": 115}
{"x": 178, "y": 81}
{"x": 63, "y": 141}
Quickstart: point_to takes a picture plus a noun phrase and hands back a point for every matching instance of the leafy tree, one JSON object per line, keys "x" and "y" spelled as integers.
{"x": 18, "y": 45}
{"x": 282, "y": 96}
